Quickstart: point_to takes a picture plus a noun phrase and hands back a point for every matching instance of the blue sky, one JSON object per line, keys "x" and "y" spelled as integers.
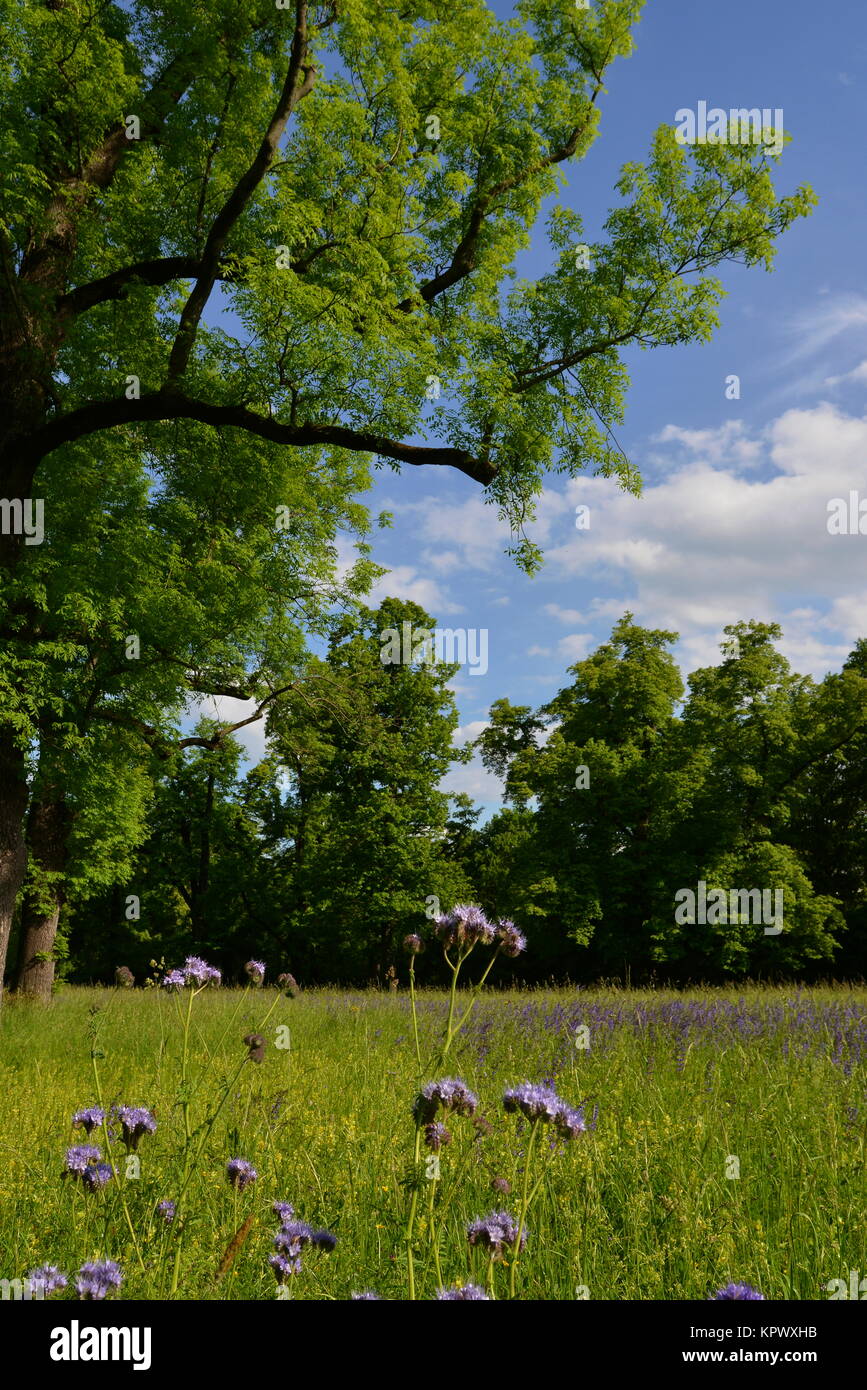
{"x": 733, "y": 520}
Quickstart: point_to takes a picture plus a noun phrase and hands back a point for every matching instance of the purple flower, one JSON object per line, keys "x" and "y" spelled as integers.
{"x": 366, "y": 1296}
{"x": 451, "y": 1094}
{"x": 123, "y": 976}
{"x": 570, "y": 1123}
{"x": 284, "y": 1210}
{"x": 166, "y": 1209}
{"x": 96, "y": 1175}
{"x": 89, "y": 1119}
{"x": 284, "y": 1267}
{"x": 135, "y": 1121}
{"x": 288, "y": 984}
{"x": 79, "y": 1156}
{"x": 534, "y": 1102}
{"x": 45, "y": 1281}
{"x": 413, "y": 944}
{"x": 240, "y": 1173}
{"x": 292, "y": 1237}
{"x": 495, "y": 1233}
{"x": 744, "y": 1291}
{"x": 198, "y": 972}
{"x": 436, "y": 1136}
{"x": 501, "y": 1185}
{"x": 512, "y": 941}
{"x": 323, "y": 1240}
{"x": 174, "y": 979}
{"x": 469, "y": 1292}
{"x": 464, "y": 926}
{"x": 98, "y": 1279}
{"x": 255, "y": 970}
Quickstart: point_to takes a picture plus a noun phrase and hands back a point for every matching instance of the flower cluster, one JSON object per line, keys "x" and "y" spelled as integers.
{"x": 288, "y": 984}
{"x": 413, "y": 944}
{"x": 79, "y": 1156}
{"x": 463, "y": 927}
{"x": 255, "y": 971}
{"x": 124, "y": 977}
{"x": 469, "y": 1293}
{"x": 451, "y": 1094}
{"x": 496, "y": 1233}
{"x": 366, "y": 1296}
{"x": 45, "y": 1281}
{"x": 436, "y": 1136}
{"x": 743, "y": 1291}
{"x": 96, "y": 1280}
{"x": 290, "y": 1241}
{"x": 240, "y": 1173}
{"x": 541, "y": 1103}
{"x": 195, "y": 972}
{"x": 89, "y": 1119}
{"x": 135, "y": 1121}
{"x": 256, "y": 1045}
{"x": 512, "y": 941}
{"x": 166, "y": 1209}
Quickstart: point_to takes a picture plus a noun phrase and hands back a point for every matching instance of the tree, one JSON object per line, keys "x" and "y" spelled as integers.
{"x": 351, "y": 188}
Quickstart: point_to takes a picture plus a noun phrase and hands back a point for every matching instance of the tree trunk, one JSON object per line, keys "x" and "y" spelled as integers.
{"x": 13, "y": 847}
{"x": 40, "y": 911}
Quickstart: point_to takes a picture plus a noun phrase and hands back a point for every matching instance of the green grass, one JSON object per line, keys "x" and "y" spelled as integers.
{"x": 639, "y": 1208}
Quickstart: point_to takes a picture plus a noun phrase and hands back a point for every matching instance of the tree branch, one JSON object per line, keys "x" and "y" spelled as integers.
{"x": 172, "y": 405}
{"x": 292, "y": 93}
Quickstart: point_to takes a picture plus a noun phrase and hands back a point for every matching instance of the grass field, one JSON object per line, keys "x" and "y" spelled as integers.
{"x": 690, "y": 1090}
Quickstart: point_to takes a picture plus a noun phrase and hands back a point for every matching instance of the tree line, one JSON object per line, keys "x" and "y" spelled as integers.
{"x": 620, "y": 792}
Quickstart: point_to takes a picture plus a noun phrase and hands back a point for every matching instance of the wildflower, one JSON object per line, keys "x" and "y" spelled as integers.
{"x": 283, "y": 1267}
{"x": 89, "y": 1119}
{"x": 292, "y": 1237}
{"x": 256, "y": 1043}
{"x": 512, "y": 941}
{"x": 366, "y": 1296}
{"x": 501, "y": 1185}
{"x": 124, "y": 977}
{"x": 98, "y": 1279}
{"x": 482, "y": 1127}
{"x": 465, "y": 925}
{"x": 166, "y": 1209}
{"x": 284, "y": 1210}
{"x": 744, "y": 1291}
{"x": 570, "y": 1123}
{"x": 135, "y": 1121}
{"x": 255, "y": 970}
{"x": 469, "y": 1293}
{"x": 534, "y": 1102}
{"x": 413, "y": 944}
{"x": 96, "y": 1175}
{"x": 45, "y": 1281}
{"x": 240, "y": 1173}
{"x": 495, "y": 1233}
{"x": 323, "y": 1240}
{"x": 174, "y": 979}
{"x": 436, "y": 1136}
{"x": 288, "y": 984}
{"x": 198, "y": 972}
{"x": 79, "y": 1156}
{"x": 450, "y": 1094}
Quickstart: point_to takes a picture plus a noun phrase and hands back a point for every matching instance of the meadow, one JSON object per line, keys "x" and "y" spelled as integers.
{"x": 725, "y": 1140}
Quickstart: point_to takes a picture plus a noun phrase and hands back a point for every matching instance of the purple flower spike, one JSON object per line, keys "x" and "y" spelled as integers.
{"x": 512, "y": 941}
{"x": 166, "y": 1209}
{"x": 135, "y": 1121}
{"x": 174, "y": 979}
{"x": 45, "y": 1281}
{"x": 79, "y": 1156}
{"x": 284, "y": 1267}
{"x": 97, "y": 1175}
{"x": 240, "y": 1173}
{"x": 292, "y": 1237}
{"x": 465, "y": 925}
{"x": 97, "y": 1280}
{"x": 255, "y": 970}
{"x": 496, "y": 1233}
{"x": 323, "y": 1240}
{"x": 534, "y": 1102}
{"x": 451, "y": 1094}
{"x": 89, "y": 1119}
{"x": 284, "y": 1210}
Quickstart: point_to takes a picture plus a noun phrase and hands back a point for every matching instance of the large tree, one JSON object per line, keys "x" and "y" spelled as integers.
{"x": 283, "y": 222}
